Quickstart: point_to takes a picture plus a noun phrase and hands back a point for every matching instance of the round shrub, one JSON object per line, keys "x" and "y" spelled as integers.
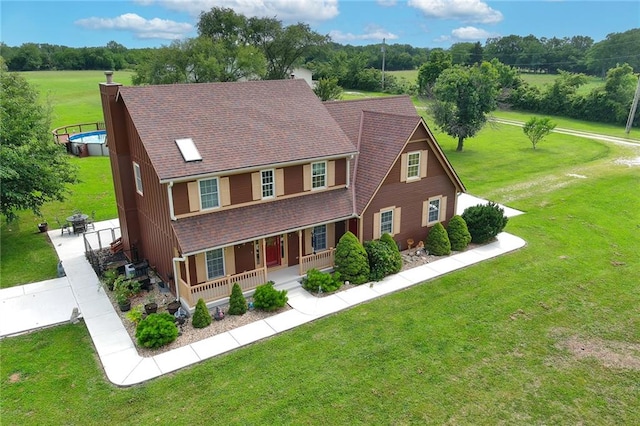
{"x": 237, "y": 302}
{"x": 484, "y": 221}
{"x": 437, "y": 242}
{"x": 381, "y": 261}
{"x": 201, "y": 316}
{"x": 156, "y": 330}
{"x": 395, "y": 253}
{"x": 351, "y": 260}
{"x": 459, "y": 235}
{"x": 321, "y": 280}
{"x": 267, "y": 298}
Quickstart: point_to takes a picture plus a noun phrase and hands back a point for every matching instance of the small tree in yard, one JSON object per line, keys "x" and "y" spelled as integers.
{"x": 437, "y": 242}
{"x": 458, "y": 232}
{"x": 381, "y": 260}
{"x": 537, "y": 128}
{"x": 201, "y": 316}
{"x": 396, "y": 257}
{"x": 351, "y": 260}
{"x": 484, "y": 221}
{"x": 237, "y": 302}
{"x": 327, "y": 89}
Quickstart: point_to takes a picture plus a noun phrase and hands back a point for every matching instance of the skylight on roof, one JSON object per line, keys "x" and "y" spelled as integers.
{"x": 188, "y": 150}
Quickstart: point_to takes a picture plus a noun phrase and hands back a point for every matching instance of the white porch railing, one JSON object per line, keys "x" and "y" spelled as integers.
{"x": 221, "y": 287}
{"x": 322, "y": 260}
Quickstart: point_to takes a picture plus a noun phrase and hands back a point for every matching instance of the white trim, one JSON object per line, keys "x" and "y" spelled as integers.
{"x": 417, "y": 176}
{"x": 325, "y": 175}
{"x": 440, "y": 199}
{"x": 206, "y": 263}
{"x": 273, "y": 184}
{"x": 382, "y": 212}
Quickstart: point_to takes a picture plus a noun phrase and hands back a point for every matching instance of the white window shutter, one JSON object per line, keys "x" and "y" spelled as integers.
{"x": 279, "y": 182}
{"x": 425, "y": 213}
{"x": 306, "y": 176}
{"x": 225, "y": 193}
{"x": 376, "y": 226}
{"x": 331, "y": 173}
{"x": 443, "y": 209}
{"x": 396, "y": 221}
{"x": 201, "y": 268}
{"x": 424, "y": 156}
{"x": 403, "y": 167}
{"x": 194, "y": 196}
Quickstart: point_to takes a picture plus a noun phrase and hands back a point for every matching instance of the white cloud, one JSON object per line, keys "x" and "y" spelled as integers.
{"x": 372, "y": 32}
{"x": 470, "y": 33}
{"x": 465, "y": 10}
{"x": 284, "y": 10}
{"x": 141, "y": 27}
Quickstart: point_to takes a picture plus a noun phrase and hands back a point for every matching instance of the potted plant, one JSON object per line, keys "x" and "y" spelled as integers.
{"x": 135, "y": 315}
{"x": 151, "y": 307}
{"x": 123, "y": 289}
{"x": 173, "y": 307}
{"x": 43, "y": 226}
{"x": 109, "y": 278}
{"x": 122, "y": 298}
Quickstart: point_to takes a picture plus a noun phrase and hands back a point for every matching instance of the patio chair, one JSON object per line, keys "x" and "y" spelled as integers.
{"x": 90, "y": 222}
{"x": 63, "y": 226}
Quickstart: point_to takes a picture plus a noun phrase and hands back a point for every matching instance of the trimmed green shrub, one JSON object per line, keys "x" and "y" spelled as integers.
{"x": 156, "y": 330}
{"x": 324, "y": 281}
{"x": 437, "y": 242}
{"x": 484, "y": 221}
{"x": 459, "y": 235}
{"x": 237, "y": 302}
{"x": 351, "y": 260}
{"x": 267, "y": 298}
{"x": 381, "y": 260}
{"x": 395, "y": 252}
{"x": 201, "y": 316}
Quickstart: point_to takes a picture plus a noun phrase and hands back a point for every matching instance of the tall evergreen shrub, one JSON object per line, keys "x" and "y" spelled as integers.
{"x": 459, "y": 235}
{"x": 437, "y": 242}
{"x": 237, "y": 302}
{"x": 396, "y": 257}
{"x": 381, "y": 261}
{"x": 351, "y": 260}
{"x": 201, "y": 316}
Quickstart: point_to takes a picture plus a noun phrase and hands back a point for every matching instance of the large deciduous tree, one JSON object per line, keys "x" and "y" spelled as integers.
{"x": 439, "y": 60}
{"x": 464, "y": 95}
{"x": 33, "y": 168}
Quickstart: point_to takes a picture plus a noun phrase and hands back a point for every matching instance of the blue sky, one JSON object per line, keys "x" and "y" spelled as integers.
{"x": 420, "y": 23}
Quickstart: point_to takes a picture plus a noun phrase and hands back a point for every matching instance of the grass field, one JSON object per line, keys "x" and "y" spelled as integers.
{"x": 73, "y": 95}
{"x": 549, "y": 334}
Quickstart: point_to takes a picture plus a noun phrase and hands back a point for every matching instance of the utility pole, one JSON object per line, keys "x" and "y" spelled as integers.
{"x": 634, "y": 106}
{"x": 383, "y": 53}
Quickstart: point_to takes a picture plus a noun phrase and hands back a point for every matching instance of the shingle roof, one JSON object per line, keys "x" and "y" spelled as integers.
{"x": 233, "y": 125}
{"x": 222, "y": 228}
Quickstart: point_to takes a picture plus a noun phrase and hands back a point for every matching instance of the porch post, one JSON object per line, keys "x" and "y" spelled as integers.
{"x": 188, "y": 271}
{"x": 263, "y": 246}
{"x": 300, "y": 252}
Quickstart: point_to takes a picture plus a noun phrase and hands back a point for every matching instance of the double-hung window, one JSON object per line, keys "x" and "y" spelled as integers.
{"x": 434, "y": 210}
{"x": 209, "y": 194}
{"x": 138, "y": 177}
{"x": 215, "y": 264}
{"x": 413, "y": 165}
{"x": 267, "y": 180}
{"x": 319, "y": 238}
{"x": 386, "y": 222}
{"x": 318, "y": 175}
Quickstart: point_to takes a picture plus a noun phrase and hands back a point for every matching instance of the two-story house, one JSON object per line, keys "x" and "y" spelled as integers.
{"x": 224, "y": 183}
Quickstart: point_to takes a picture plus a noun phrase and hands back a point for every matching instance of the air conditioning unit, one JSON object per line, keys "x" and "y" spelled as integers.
{"x": 129, "y": 270}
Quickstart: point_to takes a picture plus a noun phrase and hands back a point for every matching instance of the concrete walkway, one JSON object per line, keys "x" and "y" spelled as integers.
{"x": 34, "y": 306}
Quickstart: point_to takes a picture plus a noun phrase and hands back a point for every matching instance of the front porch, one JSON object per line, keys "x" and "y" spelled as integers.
{"x": 218, "y": 291}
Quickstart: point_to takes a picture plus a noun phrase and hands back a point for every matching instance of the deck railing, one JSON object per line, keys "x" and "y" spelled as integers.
{"x": 61, "y": 134}
{"x": 322, "y": 260}
{"x": 221, "y": 287}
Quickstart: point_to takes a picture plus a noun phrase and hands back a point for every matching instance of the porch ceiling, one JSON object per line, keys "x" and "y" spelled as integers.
{"x": 226, "y": 227}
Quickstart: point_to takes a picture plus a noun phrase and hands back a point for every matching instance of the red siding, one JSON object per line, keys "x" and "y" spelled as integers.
{"x": 293, "y": 180}
{"x": 341, "y": 171}
{"x": 180, "y": 195}
{"x": 240, "y": 188}
{"x": 410, "y": 196}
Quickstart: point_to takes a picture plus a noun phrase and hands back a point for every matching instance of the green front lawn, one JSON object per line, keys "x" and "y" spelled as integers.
{"x": 488, "y": 344}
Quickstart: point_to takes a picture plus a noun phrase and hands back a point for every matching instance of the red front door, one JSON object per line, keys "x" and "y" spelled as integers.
{"x": 273, "y": 251}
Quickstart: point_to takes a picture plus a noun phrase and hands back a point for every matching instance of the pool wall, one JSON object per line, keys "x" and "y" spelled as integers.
{"x": 89, "y": 144}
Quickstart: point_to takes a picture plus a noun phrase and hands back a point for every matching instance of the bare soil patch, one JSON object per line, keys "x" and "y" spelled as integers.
{"x": 612, "y": 354}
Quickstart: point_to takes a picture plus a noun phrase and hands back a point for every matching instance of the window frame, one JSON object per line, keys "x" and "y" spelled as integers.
{"x": 314, "y": 238}
{"x": 383, "y": 222}
{"x": 429, "y": 211}
{"x": 417, "y": 165}
{"x": 137, "y": 177}
{"x": 323, "y": 175}
{"x": 217, "y": 181}
{"x": 272, "y": 184}
{"x": 221, "y": 259}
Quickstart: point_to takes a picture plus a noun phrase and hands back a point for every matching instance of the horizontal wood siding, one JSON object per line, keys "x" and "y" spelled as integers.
{"x": 341, "y": 172}
{"x": 410, "y": 197}
{"x": 180, "y": 198}
{"x": 293, "y": 180}
{"x": 240, "y": 187}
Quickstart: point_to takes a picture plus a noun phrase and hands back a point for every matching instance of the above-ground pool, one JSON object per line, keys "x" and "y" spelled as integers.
{"x": 89, "y": 143}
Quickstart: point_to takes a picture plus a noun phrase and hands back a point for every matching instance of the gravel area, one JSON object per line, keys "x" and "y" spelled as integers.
{"x": 189, "y": 334}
